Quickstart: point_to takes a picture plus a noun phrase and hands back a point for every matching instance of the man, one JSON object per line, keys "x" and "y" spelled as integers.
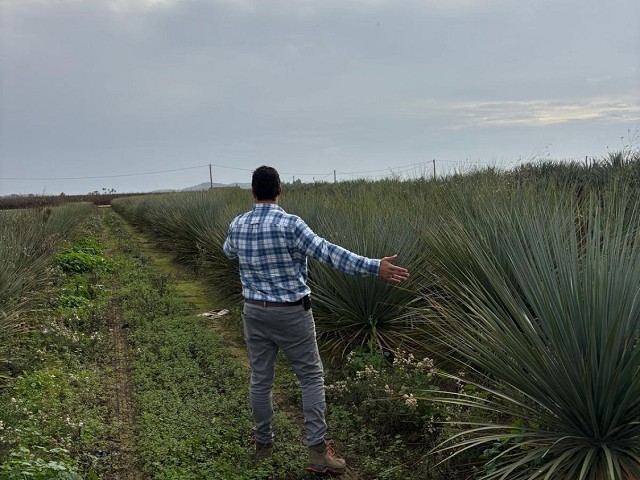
{"x": 272, "y": 248}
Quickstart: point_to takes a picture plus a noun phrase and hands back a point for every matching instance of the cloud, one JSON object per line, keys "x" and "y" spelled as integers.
{"x": 127, "y": 6}
{"x": 120, "y": 6}
{"x": 530, "y": 113}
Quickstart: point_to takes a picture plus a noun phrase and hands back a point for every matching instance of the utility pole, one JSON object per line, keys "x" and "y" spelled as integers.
{"x": 434, "y": 168}
{"x": 334, "y": 177}
{"x": 586, "y": 161}
{"x": 210, "y": 177}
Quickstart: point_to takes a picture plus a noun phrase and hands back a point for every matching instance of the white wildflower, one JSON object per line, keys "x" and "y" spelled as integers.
{"x": 410, "y": 400}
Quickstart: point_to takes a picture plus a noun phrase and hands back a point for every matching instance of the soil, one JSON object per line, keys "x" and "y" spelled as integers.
{"x": 123, "y": 452}
{"x": 122, "y": 463}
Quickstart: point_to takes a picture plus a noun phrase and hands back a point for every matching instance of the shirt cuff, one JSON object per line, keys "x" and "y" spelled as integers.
{"x": 372, "y": 266}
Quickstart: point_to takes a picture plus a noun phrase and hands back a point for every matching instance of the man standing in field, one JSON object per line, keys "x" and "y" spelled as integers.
{"x": 272, "y": 247}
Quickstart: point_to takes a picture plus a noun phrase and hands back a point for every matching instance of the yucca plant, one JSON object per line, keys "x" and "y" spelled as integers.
{"x": 362, "y": 311}
{"x": 220, "y": 272}
{"x": 28, "y": 240}
{"x": 542, "y": 303}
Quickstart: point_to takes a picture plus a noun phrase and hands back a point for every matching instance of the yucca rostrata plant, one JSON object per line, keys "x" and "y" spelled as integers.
{"x": 28, "y": 240}
{"x": 543, "y": 304}
{"x": 364, "y": 311}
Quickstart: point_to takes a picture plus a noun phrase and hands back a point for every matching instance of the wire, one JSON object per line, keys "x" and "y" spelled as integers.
{"x": 395, "y": 170}
{"x": 103, "y": 176}
{"x": 413, "y": 165}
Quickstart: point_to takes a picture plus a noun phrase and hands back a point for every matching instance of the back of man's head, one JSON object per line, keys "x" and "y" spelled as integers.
{"x": 265, "y": 183}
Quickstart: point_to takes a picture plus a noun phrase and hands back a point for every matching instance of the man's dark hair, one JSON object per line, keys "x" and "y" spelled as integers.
{"x": 265, "y": 183}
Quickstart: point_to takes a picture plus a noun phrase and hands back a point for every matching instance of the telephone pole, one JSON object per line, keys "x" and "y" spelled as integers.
{"x": 434, "y": 168}
{"x": 210, "y": 177}
{"x": 334, "y": 177}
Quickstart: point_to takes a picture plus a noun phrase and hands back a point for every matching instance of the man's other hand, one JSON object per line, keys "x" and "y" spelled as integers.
{"x": 390, "y": 272}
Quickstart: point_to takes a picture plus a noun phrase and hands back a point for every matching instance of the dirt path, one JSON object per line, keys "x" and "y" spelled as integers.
{"x": 123, "y": 464}
{"x": 227, "y": 326}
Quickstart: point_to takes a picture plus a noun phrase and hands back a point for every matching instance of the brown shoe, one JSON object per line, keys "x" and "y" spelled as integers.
{"x": 264, "y": 451}
{"x": 322, "y": 459}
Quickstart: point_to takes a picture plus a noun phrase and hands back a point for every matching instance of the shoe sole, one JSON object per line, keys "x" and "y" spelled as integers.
{"x": 325, "y": 469}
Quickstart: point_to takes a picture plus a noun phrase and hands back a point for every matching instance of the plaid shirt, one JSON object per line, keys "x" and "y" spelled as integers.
{"x": 272, "y": 247}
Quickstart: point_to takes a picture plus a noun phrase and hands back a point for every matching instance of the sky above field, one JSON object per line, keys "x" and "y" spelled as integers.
{"x": 140, "y": 95}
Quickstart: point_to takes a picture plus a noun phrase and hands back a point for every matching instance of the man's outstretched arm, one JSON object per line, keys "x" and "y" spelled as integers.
{"x": 348, "y": 262}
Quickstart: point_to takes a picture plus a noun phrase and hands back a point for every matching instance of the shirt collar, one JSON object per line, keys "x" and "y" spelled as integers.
{"x": 266, "y": 206}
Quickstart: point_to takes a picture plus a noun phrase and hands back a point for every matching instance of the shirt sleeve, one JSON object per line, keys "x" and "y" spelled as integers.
{"x": 333, "y": 255}
{"x": 230, "y": 250}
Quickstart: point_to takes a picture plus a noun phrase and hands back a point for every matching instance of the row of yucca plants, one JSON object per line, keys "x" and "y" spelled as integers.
{"x": 28, "y": 241}
{"x": 540, "y": 299}
{"x": 192, "y": 226}
{"x": 349, "y": 311}
{"x": 372, "y": 218}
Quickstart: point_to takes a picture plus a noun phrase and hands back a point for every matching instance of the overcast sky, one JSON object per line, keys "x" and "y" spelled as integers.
{"x": 93, "y": 88}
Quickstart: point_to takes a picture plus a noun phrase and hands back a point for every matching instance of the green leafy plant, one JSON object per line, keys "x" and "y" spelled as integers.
{"x": 542, "y": 301}
{"x": 25, "y": 464}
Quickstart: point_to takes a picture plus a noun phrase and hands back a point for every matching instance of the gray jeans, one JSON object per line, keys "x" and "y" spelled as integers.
{"x": 292, "y": 329}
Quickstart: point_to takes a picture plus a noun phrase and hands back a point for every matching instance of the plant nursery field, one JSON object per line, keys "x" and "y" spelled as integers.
{"x": 511, "y": 353}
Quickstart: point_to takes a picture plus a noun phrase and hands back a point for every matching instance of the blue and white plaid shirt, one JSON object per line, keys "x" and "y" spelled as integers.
{"x": 272, "y": 247}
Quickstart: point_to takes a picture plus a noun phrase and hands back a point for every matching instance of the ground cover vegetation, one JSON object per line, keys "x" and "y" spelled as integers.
{"x": 117, "y": 378}
{"x": 524, "y": 295}
{"x": 52, "y": 399}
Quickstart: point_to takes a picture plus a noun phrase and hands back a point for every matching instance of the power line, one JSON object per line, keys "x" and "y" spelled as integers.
{"x": 392, "y": 170}
{"x": 413, "y": 165}
{"x": 282, "y": 173}
{"x": 103, "y": 176}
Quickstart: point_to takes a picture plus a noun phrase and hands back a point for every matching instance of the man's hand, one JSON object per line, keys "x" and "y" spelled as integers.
{"x": 390, "y": 272}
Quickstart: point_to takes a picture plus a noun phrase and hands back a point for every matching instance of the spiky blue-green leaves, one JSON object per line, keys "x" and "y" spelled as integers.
{"x": 542, "y": 300}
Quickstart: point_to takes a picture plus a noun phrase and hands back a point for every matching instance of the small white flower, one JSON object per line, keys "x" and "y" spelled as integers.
{"x": 410, "y": 401}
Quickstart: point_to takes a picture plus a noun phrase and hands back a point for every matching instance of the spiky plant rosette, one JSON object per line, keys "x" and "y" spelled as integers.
{"x": 355, "y": 311}
{"x": 547, "y": 314}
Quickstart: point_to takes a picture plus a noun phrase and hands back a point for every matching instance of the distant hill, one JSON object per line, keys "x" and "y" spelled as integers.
{"x": 207, "y": 186}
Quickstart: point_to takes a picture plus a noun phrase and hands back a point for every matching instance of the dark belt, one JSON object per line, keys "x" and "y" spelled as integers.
{"x": 276, "y": 304}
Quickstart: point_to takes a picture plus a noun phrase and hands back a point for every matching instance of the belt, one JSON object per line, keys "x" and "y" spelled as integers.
{"x": 274, "y": 304}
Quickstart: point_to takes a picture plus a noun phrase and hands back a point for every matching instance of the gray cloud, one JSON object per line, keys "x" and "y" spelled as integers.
{"x": 147, "y": 85}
